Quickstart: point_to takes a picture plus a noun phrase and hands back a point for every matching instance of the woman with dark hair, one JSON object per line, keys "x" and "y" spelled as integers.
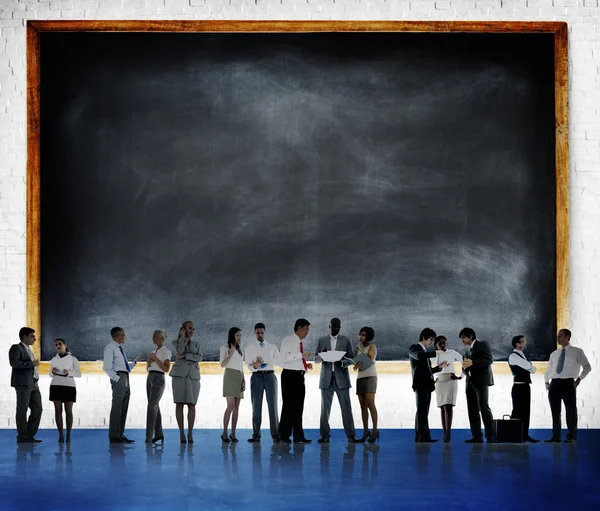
{"x": 446, "y": 387}
{"x": 63, "y": 368}
{"x": 232, "y": 359}
{"x": 186, "y": 378}
{"x": 366, "y": 384}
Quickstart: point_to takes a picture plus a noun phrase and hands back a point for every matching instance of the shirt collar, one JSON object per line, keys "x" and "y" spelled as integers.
{"x": 423, "y": 346}
{"x": 332, "y": 337}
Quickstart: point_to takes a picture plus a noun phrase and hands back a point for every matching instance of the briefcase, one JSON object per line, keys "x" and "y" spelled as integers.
{"x": 508, "y": 430}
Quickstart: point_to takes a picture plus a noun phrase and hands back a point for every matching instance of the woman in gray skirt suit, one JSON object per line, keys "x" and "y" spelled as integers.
{"x": 186, "y": 378}
{"x": 232, "y": 359}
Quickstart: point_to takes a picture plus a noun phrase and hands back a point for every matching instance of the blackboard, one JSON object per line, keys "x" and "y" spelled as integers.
{"x": 395, "y": 180}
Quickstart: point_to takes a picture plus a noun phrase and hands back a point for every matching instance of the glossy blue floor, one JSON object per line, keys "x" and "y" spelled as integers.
{"x": 396, "y": 474}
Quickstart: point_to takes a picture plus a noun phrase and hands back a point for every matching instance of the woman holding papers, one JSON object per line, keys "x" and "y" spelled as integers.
{"x": 366, "y": 383}
{"x": 232, "y": 359}
{"x": 63, "y": 368}
{"x": 159, "y": 362}
{"x": 446, "y": 386}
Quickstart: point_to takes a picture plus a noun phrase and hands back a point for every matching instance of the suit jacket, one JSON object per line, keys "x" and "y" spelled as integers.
{"x": 340, "y": 369}
{"x": 22, "y": 366}
{"x": 420, "y": 364}
{"x": 186, "y": 367}
{"x": 480, "y": 373}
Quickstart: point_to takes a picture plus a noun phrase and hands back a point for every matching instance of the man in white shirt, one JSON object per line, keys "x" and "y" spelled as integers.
{"x": 261, "y": 357}
{"x": 118, "y": 368}
{"x": 294, "y": 364}
{"x": 567, "y": 366}
{"x": 522, "y": 370}
{"x": 24, "y": 378}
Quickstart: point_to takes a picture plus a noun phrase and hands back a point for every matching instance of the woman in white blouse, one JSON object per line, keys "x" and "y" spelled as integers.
{"x": 232, "y": 359}
{"x": 446, "y": 387}
{"x": 63, "y": 368}
{"x": 159, "y": 361}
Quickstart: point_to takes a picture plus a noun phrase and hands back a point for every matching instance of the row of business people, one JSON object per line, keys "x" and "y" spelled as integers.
{"x": 562, "y": 378}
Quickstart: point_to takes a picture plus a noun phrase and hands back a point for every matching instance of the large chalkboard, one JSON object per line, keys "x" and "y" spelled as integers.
{"x": 396, "y": 180}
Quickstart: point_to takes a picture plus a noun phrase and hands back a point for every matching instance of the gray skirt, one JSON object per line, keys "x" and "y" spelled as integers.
{"x": 185, "y": 390}
{"x": 366, "y": 385}
{"x": 445, "y": 390}
{"x": 232, "y": 383}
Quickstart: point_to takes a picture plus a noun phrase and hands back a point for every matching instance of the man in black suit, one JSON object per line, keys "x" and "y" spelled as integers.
{"x": 423, "y": 385}
{"x": 478, "y": 368}
{"x": 24, "y": 379}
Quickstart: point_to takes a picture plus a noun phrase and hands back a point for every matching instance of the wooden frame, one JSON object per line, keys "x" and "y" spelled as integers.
{"x": 559, "y": 29}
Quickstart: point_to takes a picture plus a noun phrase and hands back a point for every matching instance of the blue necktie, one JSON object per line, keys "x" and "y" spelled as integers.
{"x": 561, "y": 361}
{"x": 125, "y": 359}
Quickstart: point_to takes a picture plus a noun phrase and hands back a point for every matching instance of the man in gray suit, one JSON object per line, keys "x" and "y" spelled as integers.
{"x": 335, "y": 378}
{"x": 24, "y": 379}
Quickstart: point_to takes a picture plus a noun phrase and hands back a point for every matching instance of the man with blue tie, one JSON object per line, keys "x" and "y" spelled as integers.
{"x": 261, "y": 356}
{"x": 567, "y": 366}
{"x": 423, "y": 384}
{"x": 118, "y": 368}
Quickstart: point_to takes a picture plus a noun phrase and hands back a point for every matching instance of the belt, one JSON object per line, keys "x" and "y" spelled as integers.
{"x": 563, "y": 379}
{"x": 156, "y": 372}
{"x": 122, "y": 372}
{"x": 263, "y": 372}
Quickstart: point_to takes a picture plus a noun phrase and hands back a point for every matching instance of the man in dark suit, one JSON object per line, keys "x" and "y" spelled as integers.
{"x": 422, "y": 373}
{"x": 24, "y": 379}
{"x": 335, "y": 378}
{"x": 477, "y": 365}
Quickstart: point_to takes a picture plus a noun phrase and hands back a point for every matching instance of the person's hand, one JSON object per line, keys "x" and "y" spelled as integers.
{"x": 358, "y": 366}
{"x": 547, "y": 385}
{"x": 307, "y": 354}
{"x": 35, "y": 362}
{"x": 577, "y": 382}
{"x": 231, "y": 351}
{"x": 444, "y": 364}
{"x": 180, "y": 357}
{"x": 467, "y": 362}
{"x": 181, "y": 332}
{"x": 257, "y": 363}
{"x": 310, "y": 366}
{"x": 65, "y": 372}
{"x": 54, "y": 370}
{"x": 324, "y": 350}
{"x": 243, "y": 385}
{"x": 151, "y": 356}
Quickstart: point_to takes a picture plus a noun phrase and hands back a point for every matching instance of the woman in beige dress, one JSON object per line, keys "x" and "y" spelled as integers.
{"x": 446, "y": 386}
{"x": 232, "y": 359}
{"x": 186, "y": 378}
{"x": 366, "y": 385}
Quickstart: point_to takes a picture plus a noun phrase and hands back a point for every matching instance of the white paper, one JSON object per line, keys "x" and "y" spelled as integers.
{"x": 331, "y": 356}
{"x": 450, "y": 356}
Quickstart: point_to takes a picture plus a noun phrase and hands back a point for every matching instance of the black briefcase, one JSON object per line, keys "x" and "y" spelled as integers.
{"x": 508, "y": 430}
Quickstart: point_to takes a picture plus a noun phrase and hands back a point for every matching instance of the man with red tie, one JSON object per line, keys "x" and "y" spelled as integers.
{"x": 294, "y": 364}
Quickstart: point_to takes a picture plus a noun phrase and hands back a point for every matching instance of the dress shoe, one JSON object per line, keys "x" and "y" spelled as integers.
{"x": 427, "y": 441}
{"x": 531, "y": 440}
{"x": 254, "y": 439}
{"x": 116, "y": 440}
{"x": 127, "y": 440}
{"x": 276, "y": 439}
{"x": 302, "y": 441}
{"x": 160, "y": 439}
{"x": 570, "y": 441}
{"x": 474, "y": 441}
{"x": 25, "y": 440}
{"x": 553, "y": 441}
{"x": 233, "y": 439}
{"x": 353, "y": 440}
{"x": 225, "y": 438}
{"x": 285, "y": 441}
{"x": 363, "y": 439}
{"x": 374, "y": 438}
{"x": 323, "y": 440}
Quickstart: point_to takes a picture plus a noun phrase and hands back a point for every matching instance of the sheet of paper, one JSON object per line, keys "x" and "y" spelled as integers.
{"x": 332, "y": 356}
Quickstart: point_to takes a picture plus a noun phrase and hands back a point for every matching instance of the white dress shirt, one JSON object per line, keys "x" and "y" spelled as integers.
{"x": 521, "y": 361}
{"x": 268, "y": 352}
{"x": 36, "y": 374}
{"x": 68, "y": 362}
{"x": 235, "y": 362}
{"x": 162, "y": 354}
{"x": 575, "y": 360}
{"x": 291, "y": 357}
{"x": 333, "y": 342}
{"x": 114, "y": 362}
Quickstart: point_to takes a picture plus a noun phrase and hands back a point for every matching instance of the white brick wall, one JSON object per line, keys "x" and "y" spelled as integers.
{"x": 395, "y": 401}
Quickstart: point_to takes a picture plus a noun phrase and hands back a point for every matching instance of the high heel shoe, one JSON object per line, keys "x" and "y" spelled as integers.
{"x": 160, "y": 439}
{"x": 373, "y": 438}
{"x": 364, "y": 437}
{"x": 233, "y": 439}
{"x": 225, "y": 439}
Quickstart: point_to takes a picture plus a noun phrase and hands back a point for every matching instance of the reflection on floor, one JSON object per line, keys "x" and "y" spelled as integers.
{"x": 395, "y": 474}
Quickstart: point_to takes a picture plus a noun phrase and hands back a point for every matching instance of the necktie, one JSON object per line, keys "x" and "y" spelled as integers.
{"x": 303, "y": 359}
{"x": 125, "y": 359}
{"x": 36, "y": 375}
{"x": 561, "y": 361}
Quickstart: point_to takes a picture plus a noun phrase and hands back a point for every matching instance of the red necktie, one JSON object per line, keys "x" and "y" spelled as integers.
{"x": 303, "y": 359}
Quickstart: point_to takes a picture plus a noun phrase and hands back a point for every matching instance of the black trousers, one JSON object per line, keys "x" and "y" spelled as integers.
{"x": 563, "y": 390}
{"x": 477, "y": 402}
{"x": 292, "y": 393}
{"x": 423, "y": 398}
{"x": 521, "y": 399}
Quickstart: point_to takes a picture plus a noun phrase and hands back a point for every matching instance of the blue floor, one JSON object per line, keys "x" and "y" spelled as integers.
{"x": 89, "y": 474}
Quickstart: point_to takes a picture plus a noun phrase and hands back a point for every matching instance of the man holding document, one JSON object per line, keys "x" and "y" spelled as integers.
{"x": 331, "y": 351}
